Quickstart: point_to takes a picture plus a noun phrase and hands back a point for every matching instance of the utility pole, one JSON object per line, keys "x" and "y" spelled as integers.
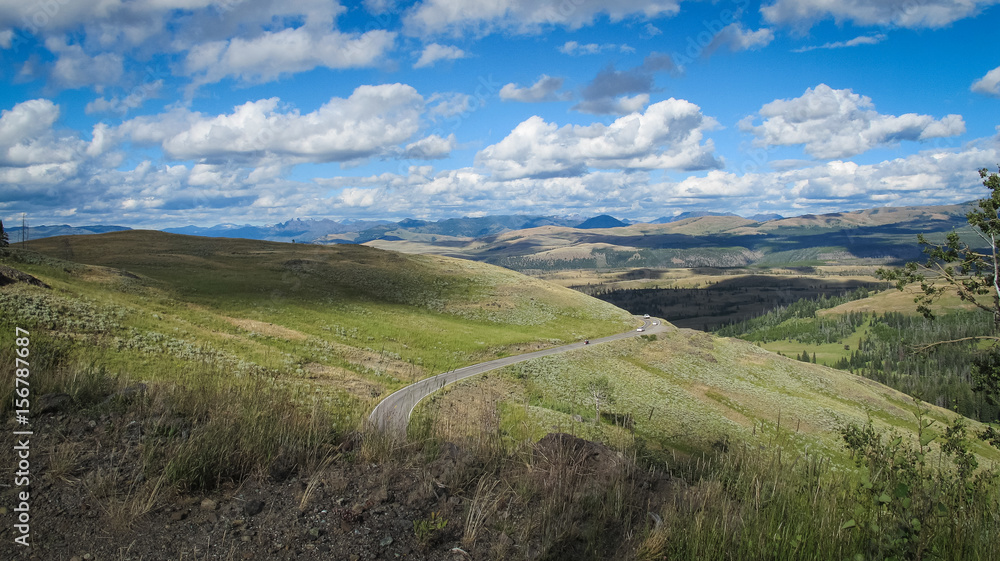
{"x": 24, "y": 230}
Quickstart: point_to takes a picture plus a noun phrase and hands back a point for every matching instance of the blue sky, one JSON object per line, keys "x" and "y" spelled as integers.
{"x": 156, "y": 113}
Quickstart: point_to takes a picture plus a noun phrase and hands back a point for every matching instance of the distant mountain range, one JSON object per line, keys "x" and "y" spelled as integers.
{"x": 37, "y": 232}
{"x": 873, "y": 236}
{"x": 694, "y": 239}
{"x": 332, "y": 231}
{"x": 700, "y": 213}
{"x": 293, "y": 230}
{"x": 362, "y": 231}
{"x": 602, "y": 221}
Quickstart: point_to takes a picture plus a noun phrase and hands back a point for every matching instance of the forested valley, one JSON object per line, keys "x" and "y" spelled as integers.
{"x": 893, "y": 348}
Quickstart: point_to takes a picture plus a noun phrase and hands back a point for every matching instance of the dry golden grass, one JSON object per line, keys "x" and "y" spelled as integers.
{"x": 466, "y": 411}
{"x": 687, "y": 389}
{"x": 336, "y": 378}
{"x": 265, "y": 328}
{"x": 897, "y": 301}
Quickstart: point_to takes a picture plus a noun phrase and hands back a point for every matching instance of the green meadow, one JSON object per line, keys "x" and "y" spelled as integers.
{"x": 258, "y": 358}
{"x": 758, "y": 456}
{"x": 149, "y": 300}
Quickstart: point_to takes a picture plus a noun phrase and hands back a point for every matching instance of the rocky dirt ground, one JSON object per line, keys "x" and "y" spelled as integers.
{"x": 91, "y": 501}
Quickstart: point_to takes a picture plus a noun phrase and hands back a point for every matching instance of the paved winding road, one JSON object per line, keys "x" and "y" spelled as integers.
{"x": 393, "y": 412}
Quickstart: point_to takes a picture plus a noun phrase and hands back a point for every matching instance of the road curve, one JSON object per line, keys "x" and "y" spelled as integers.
{"x": 393, "y": 412}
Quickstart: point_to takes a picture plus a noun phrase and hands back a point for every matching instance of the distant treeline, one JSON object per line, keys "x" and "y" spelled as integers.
{"x": 734, "y": 299}
{"x": 784, "y": 322}
{"x": 940, "y": 375}
{"x": 887, "y": 352}
{"x": 611, "y": 259}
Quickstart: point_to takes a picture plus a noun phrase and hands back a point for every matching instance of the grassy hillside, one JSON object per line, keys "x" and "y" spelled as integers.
{"x": 365, "y": 320}
{"x": 165, "y": 366}
{"x": 754, "y": 448}
{"x": 685, "y": 391}
{"x": 238, "y": 372}
{"x": 882, "y": 337}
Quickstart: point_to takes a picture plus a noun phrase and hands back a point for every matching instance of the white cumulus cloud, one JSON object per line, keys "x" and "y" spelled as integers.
{"x": 44, "y": 168}
{"x": 268, "y": 56}
{"x": 736, "y": 39}
{"x": 544, "y": 89}
{"x": 28, "y": 138}
{"x": 622, "y": 105}
{"x": 574, "y": 48}
{"x": 253, "y": 40}
{"x": 524, "y": 16}
{"x": 840, "y": 123}
{"x": 75, "y": 69}
{"x": 988, "y": 84}
{"x": 914, "y": 15}
{"x": 430, "y": 148}
{"x": 368, "y": 123}
{"x": 669, "y": 135}
{"x": 435, "y": 52}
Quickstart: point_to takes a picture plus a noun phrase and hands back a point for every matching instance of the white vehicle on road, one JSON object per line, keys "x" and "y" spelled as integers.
{"x": 641, "y": 329}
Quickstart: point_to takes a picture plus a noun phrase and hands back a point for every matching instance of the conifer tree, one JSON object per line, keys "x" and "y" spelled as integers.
{"x": 973, "y": 273}
{"x": 4, "y": 240}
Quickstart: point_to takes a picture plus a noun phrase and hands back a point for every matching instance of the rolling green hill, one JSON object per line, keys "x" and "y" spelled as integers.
{"x": 770, "y": 458}
{"x": 356, "y": 321}
{"x": 171, "y": 368}
{"x": 684, "y": 391}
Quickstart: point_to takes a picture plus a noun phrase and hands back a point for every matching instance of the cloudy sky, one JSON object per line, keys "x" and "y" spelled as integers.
{"x": 172, "y": 112}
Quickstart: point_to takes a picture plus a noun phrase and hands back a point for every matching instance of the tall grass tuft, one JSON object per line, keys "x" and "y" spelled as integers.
{"x": 761, "y": 503}
{"x": 231, "y": 429}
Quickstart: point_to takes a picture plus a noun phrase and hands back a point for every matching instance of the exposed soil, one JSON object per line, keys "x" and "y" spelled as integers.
{"x": 90, "y": 500}
{"x": 9, "y": 275}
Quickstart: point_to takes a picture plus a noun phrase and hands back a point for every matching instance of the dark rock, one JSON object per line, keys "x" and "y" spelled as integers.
{"x": 560, "y": 451}
{"x": 53, "y": 402}
{"x": 450, "y": 464}
{"x": 282, "y": 467}
{"x": 253, "y": 507}
{"x": 10, "y": 275}
{"x": 127, "y": 394}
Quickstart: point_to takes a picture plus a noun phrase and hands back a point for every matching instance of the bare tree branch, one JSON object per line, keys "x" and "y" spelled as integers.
{"x": 923, "y": 348}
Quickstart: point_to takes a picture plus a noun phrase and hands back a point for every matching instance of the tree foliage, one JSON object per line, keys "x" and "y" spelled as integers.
{"x": 4, "y": 240}
{"x": 602, "y": 392}
{"x": 971, "y": 272}
{"x": 913, "y": 504}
